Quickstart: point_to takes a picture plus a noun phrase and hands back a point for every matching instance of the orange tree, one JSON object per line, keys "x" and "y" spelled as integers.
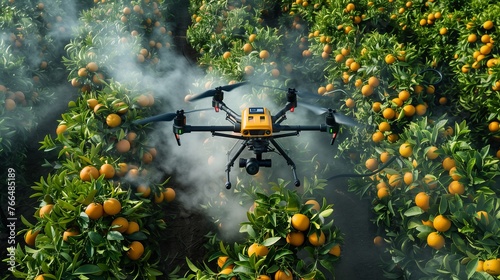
{"x": 286, "y": 234}
{"x": 100, "y": 210}
{"x": 397, "y": 66}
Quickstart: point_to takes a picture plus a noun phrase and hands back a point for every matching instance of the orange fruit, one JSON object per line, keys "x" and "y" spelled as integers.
{"x": 481, "y": 214}
{"x": 435, "y": 240}
{"x": 383, "y": 192}
{"x": 393, "y": 137}
{"x": 441, "y": 223}
{"x": 480, "y": 264}
{"x": 60, "y": 128}
{"x": 373, "y": 81}
{"x": 405, "y": 150}
{"x": 350, "y": 103}
{"x": 397, "y": 101}
{"x": 431, "y": 181}
{"x": 378, "y": 240}
{"x": 395, "y": 180}
{"x": 420, "y": 109}
{"x": 45, "y": 210}
{"x": 92, "y": 102}
{"x": 10, "y": 104}
{"x": 389, "y": 113}
{"x": 258, "y": 249}
{"x": 494, "y": 126}
{"x": 113, "y": 120}
{"x": 226, "y": 55}
{"x": 371, "y": 164}
{"x": 112, "y": 206}
{"x": 295, "y": 238}
{"x": 404, "y": 95}
{"x": 390, "y": 59}
{"x": 169, "y": 194}
{"x": 376, "y": 106}
{"x": 119, "y": 224}
{"x": 384, "y": 126}
{"x": 144, "y": 190}
{"x": 384, "y": 157}
{"x": 408, "y": 178}
{"x": 89, "y": 172}
{"x": 136, "y": 249}
{"x": 317, "y": 239}
{"x": 222, "y": 260}
{"x": 40, "y": 277}
{"x": 82, "y": 72}
{"x": 263, "y": 277}
{"x": 428, "y": 223}
{"x": 454, "y": 174}
{"x": 335, "y": 250}
{"x": 132, "y": 227}
{"x": 92, "y": 66}
{"x": 282, "y": 275}
{"x": 70, "y": 232}
{"x": 377, "y": 136}
{"x": 431, "y": 153}
{"x": 247, "y": 48}
{"x": 488, "y": 25}
{"x": 367, "y": 90}
{"x": 409, "y": 110}
{"x": 455, "y": 187}
{"x": 264, "y": 54}
{"x": 123, "y": 146}
{"x": 300, "y": 222}
{"x": 492, "y": 267}
{"x": 315, "y": 204}
{"x": 143, "y": 100}
{"x": 226, "y": 271}
{"x": 108, "y": 170}
{"x": 448, "y": 163}
{"x": 30, "y": 237}
{"x": 158, "y": 198}
{"x": 422, "y": 200}
{"x": 94, "y": 211}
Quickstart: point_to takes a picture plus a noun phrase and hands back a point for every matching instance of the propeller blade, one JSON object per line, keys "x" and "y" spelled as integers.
{"x": 167, "y": 117}
{"x": 212, "y": 92}
{"x": 158, "y": 118}
{"x": 339, "y": 118}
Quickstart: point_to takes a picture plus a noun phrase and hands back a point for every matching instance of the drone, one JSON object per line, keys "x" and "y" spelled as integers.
{"x": 256, "y": 127}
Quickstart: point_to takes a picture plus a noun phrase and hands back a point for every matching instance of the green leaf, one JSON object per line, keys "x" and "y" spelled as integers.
{"x": 443, "y": 205}
{"x": 87, "y": 269}
{"x": 270, "y": 241}
{"x": 413, "y": 211}
{"x": 326, "y": 213}
{"x": 114, "y": 235}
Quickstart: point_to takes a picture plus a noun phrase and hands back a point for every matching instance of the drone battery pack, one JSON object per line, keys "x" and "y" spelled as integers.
{"x": 256, "y": 122}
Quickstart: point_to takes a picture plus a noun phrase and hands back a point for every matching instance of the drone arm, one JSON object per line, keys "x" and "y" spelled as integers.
{"x": 298, "y": 128}
{"x": 231, "y": 115}
{"x": 280, "y": 116}
{"x": 210, "y": 128}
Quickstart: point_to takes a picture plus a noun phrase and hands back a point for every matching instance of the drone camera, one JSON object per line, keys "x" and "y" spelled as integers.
{"x": 252, "y": 165}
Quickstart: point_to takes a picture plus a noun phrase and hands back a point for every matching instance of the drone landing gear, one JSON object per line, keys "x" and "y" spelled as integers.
{"x": 252, "y": 164}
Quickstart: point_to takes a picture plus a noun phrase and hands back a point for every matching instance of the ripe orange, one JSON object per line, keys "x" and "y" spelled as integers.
{"x": 431, "y": 153}
{"x": 226, "y": 55}
{"x": 378, "y": 241}
{"x": 222, "y": 260}
{"x": 89, "y": 172}
{"x": 263, "y": 277}
{"x": 422, "y": 200}
{"x": 92, "y": 66}
{"x": 350, "y": 103}
{"x": 108, "y": 170}
{"x": 482, "y": 214}
{"x": 119, "y": 224}
{"x": 60, "y": 128}
{"x": 408, "y": 178}
{"x": 488, "y": 25}
{"x": 420, "y": 109}
{"x": 376, "y": 106}
{"x": 143, "y": 100}
{"x": 113, "y": 120}
{"x": 373, "y": 81}
{"x": 455, "y": 187}
{"x": 158, "y": 198}
{"x": 384, "y": 157}
{"x": 112, "y": 206}
{"x": 480, "y": 264}
{"x": 377, "y": 136}
{"x": 132, "y": 227}
{"x": 144, "y": 190}
{"x": 70, "y": 232}
{"x": 92, "y": 102}
{"x": 40, "y": 277}
{"x": 382, "y": 192}
{"x": 258, "y": 249}
{"x": 405, "y": 150}
{"x": 389, "y": 113}
{"x": 226, "y": 271}
{"x": 492, "y": 267}
{"x": 123, "y": 146}
{"x": 10, "y": 104}
{"x": 94, "y": 211}
{"x": 136, "y": 249}
{"x": 30, "y": 237}
{"x": 435, "y": 240}
{"x": 295, "y": 238}
{"x": 82, "y": 72}
{"x": 315, "y": 204}
{"x": 335, "y": 250}
{"x": 371, "y": 164}
{"x": 390, "y": 59}
{"x": 317, "y": 239}
{"x": 300, "y": 222}
{"x": 45, "y": 210}
{"x": 264, "y": 54}
{"x": 393, "y": 137}
{"x": 448, "y": 163}
{"x": 494, "y": 126}
{"x": 367, "y": 90}
{"x": 395, "y": 180}
{"x": 282, "y": 275}
{"x": 431, "y": 181}
{"x": 428, "y": 223}
{"x": 169, "y": 194}
{"x": 409, "y": 110}
{"x": 441, "y": 223}
{"x": 384, "y": 126}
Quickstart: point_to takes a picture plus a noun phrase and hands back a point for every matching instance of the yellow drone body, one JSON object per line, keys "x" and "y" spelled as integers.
{"x": 256, "y": 122}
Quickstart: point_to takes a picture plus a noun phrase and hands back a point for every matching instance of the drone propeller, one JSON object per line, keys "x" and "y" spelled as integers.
{"x": 213, "y": 92}
{"x": 299, "y": 93}
{"x": 339, "y": 118}
{"x": 167, "y": 117}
